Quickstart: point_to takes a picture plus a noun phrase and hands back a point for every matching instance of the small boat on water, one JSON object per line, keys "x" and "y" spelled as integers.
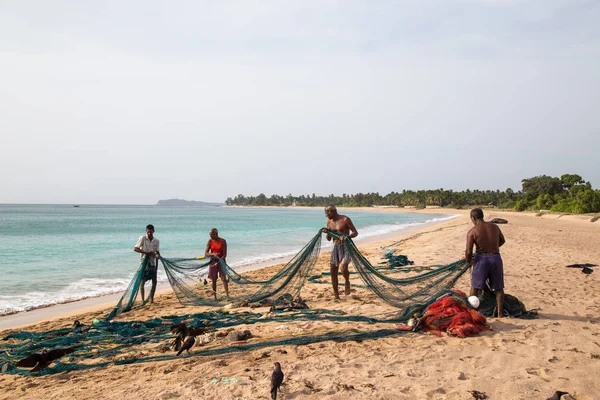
{"x": 76, "y": 205}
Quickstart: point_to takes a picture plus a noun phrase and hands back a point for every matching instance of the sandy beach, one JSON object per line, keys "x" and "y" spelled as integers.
{"x": 516, "y": 359}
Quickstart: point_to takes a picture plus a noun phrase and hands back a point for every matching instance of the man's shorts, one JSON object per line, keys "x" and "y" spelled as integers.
{"x": 487, "y": 267}
{"x": 150, "y": 272}
{"x": 215, "y": 270}
{"x": 339, "y": 255}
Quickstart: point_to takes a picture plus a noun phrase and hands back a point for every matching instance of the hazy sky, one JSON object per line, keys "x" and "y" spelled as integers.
{"x": 130, "y": 102}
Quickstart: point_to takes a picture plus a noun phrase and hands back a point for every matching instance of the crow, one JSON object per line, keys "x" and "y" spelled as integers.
{"x": 177, "y": 343}
{"x": 276, "y": 380}
{"x": 181, "y": 330}
{"x": 557, "y": 395}
{"x": 41, "y": 361}
{"x": 187, "y": 345}
{"x": 196, "y": 331}
{"x": 585, "y": 268}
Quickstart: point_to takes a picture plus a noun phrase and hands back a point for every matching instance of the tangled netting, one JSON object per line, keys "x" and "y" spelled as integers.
{"x": 109, "y": 342}
{"x": 453, "y": 315}
{"x": 104, "y": 343}
{"x": 186, "y": 277}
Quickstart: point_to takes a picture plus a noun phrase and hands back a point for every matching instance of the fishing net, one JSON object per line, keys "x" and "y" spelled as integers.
{"x": 188, "y": 279}
{"x": 110, "y": 341}
{"x": 453, "y": 315}
{"x": 513, "y": 307}
{"x": 104, "y": 343}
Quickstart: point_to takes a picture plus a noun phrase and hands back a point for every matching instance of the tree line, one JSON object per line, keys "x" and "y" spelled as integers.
{"x": 569, "y": 193}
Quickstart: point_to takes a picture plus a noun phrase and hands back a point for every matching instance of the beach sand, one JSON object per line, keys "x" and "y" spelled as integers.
{"x": 517, "y": 359}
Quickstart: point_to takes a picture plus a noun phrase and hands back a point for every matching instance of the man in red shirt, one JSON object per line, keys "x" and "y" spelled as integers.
{"x": 217, "y": 249}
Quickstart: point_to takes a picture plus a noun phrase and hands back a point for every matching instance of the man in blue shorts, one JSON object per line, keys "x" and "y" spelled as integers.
{"x": 487, "y": 264}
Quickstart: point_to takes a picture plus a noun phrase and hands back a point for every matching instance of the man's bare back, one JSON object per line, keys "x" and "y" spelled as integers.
{"x": 488, "y": 269}
{"x": 487, "y": 238}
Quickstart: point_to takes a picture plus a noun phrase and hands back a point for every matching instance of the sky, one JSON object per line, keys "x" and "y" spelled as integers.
{"x": 130, "y": 102}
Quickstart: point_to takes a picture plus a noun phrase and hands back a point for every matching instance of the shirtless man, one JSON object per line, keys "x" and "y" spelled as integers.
{"x": 488, "y": 239}
{"x": 339, "y": 255}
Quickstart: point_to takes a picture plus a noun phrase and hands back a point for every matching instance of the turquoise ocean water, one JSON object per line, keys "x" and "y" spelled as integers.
{"x": 52, "y": 254}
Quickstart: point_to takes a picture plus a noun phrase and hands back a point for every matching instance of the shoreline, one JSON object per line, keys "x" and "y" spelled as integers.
{"x": 107, "y": 301}
{"x": 558, "y": 350}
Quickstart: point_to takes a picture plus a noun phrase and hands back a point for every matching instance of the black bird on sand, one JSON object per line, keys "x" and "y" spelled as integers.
{"x": 276, "y": 380}
{"x": 557, "y": 395}
{"x": 177, "y": 343}
{"x": 189, "y": 343}
{"x": 41, "y": 361}
{"x": 184, "y": 331}
{"x": 585, "y": 268}
{"x": 180, "y": 329}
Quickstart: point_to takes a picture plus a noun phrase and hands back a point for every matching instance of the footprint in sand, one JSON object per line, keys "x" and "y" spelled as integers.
{"x": 413, "y": 374}
{"x": 540, "y": 372}
{"x": 434, "y": 394}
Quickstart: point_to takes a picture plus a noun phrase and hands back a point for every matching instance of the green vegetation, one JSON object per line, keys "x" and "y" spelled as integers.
{"x": 569, "y": 194}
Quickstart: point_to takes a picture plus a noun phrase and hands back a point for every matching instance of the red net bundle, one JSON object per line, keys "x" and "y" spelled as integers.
{"x": 453, "y": 315}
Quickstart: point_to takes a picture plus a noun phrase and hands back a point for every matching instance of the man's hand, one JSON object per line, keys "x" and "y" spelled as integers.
{"x": 324, "y": 230}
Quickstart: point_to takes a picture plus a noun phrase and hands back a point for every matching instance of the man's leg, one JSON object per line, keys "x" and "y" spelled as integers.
{"x": 346, "y": 275}
{"x": 478, "y": 277}
{"x": 142, "y": 290}
{"x": 153, "y": 289}
{"x": 496, "y": 276}
{"x": 214, "y": 285}
{"x": 225, "y": 285}
{"x": 334, "y": 280}
{"x": 500, "y": 302}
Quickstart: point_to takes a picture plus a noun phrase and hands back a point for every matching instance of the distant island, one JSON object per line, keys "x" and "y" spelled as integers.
{"x": 186, "y": 203}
